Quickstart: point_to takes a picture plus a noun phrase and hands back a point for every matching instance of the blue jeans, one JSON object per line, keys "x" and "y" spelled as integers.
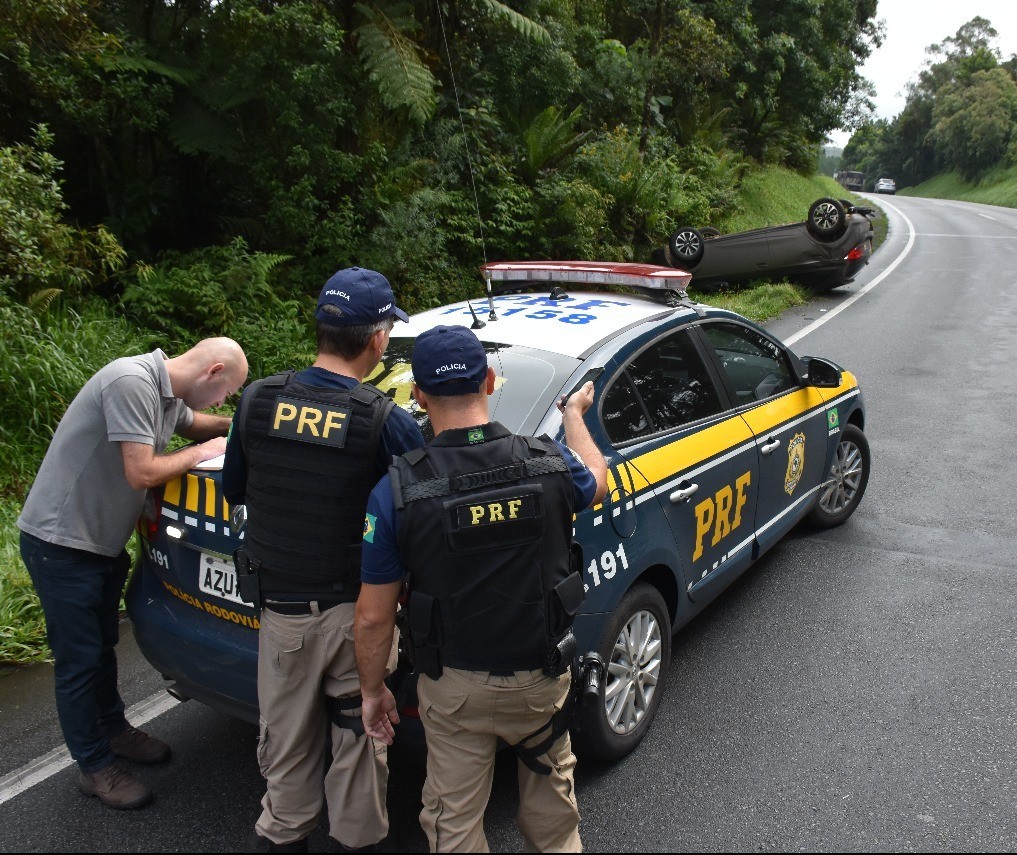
{"x": 80, "y": 595}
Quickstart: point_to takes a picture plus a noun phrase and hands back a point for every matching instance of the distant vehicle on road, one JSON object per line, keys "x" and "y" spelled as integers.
{"x": 854, "y": 181}
{"x": 823, "y": 252}
{"x": 886, "y": 185}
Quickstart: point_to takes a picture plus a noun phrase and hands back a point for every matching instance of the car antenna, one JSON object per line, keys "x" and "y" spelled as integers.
{"x": 491, "y": 316}
{"x": 469, "y": 162}
{"x": 477, "y": 323}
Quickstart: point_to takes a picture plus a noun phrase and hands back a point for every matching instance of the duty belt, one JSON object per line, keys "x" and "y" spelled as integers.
{"x": 297, "y": 607}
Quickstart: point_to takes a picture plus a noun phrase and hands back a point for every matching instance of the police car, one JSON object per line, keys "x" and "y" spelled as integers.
{"x": 718, "y": 439}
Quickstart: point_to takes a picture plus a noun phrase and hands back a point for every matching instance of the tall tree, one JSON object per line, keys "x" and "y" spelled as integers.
{"x": 795, "y": 71}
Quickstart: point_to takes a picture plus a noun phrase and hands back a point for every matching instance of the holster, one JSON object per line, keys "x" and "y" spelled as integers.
{"x": 424, "y": 624}
{"x": 248, "y": 584}
{"x": 559, "y": 658}
{"x": 345, "y": 713}
{"x": 563, "y": 605}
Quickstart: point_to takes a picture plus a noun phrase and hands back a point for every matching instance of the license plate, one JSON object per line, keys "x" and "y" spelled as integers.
{"x": 219, "y": 578}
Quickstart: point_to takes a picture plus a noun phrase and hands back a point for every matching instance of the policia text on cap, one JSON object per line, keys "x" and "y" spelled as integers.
{"x": 480, "y": 526}
{"x": 306, "y": 448}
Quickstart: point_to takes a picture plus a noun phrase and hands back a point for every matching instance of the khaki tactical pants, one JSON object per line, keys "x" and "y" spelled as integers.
{"x": 464, "y": 714}
{"x": 301, "y": 658}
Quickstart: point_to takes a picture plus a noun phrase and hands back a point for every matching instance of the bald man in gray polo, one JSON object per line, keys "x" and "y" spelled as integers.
{"x": 87, "y": 496}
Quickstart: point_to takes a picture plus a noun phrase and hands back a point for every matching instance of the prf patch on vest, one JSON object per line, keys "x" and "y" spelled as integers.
{"x": 473, "y": 515}
{"x": 309, "y": 421}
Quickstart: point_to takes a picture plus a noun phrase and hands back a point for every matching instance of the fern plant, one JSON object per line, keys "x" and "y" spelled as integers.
{"x": 394, "y": 62}
{"x": 551, "y": 139}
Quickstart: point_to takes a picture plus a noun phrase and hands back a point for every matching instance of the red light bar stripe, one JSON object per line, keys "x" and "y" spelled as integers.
{"x": 601, "y": 272}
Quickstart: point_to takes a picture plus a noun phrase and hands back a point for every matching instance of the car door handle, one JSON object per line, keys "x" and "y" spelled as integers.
{"x": 683, "y": 494}
{"x": 770, "y": 447}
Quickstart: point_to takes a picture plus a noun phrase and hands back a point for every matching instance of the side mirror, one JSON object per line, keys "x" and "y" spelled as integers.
{"x": 822, "y": 373}
{"x": 238, "y": 517}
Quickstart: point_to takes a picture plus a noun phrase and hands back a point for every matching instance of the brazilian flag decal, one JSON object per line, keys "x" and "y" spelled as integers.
{"x": 475, "y": 435}
{"x": 370, "y": 524}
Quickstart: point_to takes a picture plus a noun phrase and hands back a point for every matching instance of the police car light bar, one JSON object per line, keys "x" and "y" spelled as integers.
{"x": 627, "y": 274}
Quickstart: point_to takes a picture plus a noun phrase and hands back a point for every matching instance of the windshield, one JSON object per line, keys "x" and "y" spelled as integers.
{"x": 527, "y": 382}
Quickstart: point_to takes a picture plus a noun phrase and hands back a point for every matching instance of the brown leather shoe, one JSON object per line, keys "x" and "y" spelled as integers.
{"x": 138, "y": 747}
{"x": 116, "y": 787}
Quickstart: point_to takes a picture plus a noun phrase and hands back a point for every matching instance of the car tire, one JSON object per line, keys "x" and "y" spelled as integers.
{"x": 849, "y": 474}
{"x": 686, "y": 246}
{"x": 827, "y": 219}
{"x": 709, "y": 233}
{"x": 618, "y": 719}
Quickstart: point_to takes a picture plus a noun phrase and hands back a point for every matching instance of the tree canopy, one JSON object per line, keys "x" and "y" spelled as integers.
{"x": 960, "y": 115}
{"x": 418, "y": 136}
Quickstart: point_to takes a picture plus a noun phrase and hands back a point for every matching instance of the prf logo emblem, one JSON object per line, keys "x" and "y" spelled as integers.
{"x": 309, "y": 421}
{"x": 795, "y": 462}
{"x": 474, "y": 515}
{"x": 832, "y": 419}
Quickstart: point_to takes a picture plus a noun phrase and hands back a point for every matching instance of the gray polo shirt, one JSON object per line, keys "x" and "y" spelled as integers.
{"x": 81, "y": 497}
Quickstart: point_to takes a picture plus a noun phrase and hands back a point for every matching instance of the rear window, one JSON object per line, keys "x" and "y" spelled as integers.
{"x": 528, "y": 381}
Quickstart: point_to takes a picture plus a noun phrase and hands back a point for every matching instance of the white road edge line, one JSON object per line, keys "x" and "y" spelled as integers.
{"x": 816, "y": 324}
{"x": 38, "y": 770}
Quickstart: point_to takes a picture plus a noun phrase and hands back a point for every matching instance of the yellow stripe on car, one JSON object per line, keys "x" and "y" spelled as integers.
{"x": 191, "y": 493}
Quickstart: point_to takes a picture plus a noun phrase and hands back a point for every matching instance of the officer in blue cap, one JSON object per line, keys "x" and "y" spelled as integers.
{"x": 479, "y": 524}
{"x": 305, "y": 449}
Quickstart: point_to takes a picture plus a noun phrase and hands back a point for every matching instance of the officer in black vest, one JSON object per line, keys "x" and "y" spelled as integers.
{"x": 305, "y": 449}
{"x": 479, "y": 525}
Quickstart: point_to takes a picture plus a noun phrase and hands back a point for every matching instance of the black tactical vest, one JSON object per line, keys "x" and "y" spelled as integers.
{"x": 311, "y": 464}
{"x": 486, "y": 533}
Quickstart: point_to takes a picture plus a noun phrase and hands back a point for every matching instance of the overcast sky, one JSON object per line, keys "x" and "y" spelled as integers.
{"x": 913, "y": 25}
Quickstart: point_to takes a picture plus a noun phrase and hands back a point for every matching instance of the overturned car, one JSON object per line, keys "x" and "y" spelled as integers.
{"x": 825, "y": 251}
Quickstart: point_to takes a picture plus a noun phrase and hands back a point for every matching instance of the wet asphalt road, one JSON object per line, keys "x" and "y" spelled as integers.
{"x": 855, "y": 691}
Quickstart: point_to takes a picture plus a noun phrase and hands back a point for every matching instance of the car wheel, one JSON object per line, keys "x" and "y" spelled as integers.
{"x": 686, "y": 247}
{"x": 849, "y": 476}
{"x": 709, "y": 233}
{"x": 636, "y": 647}
{"x": 827, "y": 219}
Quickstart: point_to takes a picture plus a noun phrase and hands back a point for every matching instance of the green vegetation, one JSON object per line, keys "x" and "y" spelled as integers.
{"x": 960, "y": 118}
{"x": 776, "y": 195}
{"x": 415, "y": 137}
{"x": 22, "y": 628}
{"x": 174, "y": 169}
{"x": 996, "y": 187}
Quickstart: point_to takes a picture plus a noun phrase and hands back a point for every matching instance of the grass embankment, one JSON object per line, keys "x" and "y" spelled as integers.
{"x": 44, "y": 362}
{"x": 996, "y": 187}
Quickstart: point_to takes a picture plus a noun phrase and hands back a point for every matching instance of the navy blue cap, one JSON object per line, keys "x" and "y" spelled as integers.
{"x": 356, "y": 297}
{"x": 449, "y": 361}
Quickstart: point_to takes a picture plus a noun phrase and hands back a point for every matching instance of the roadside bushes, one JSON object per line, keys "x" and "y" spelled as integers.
{"x": 40, "y": 254}
{"x": 222, "y": 290}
